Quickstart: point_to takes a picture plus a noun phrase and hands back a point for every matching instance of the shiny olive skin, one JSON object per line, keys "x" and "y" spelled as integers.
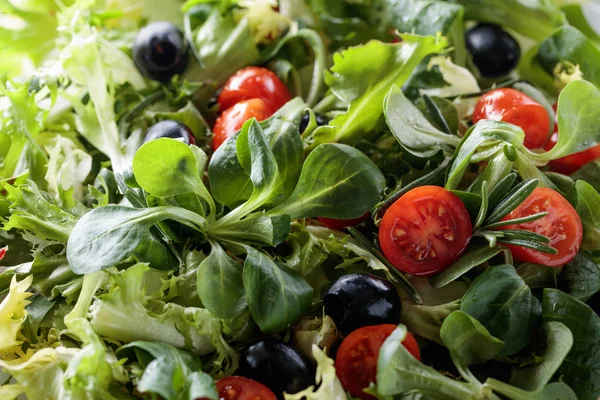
{"x": 170, "y": 129}
{"x": 277, "y": 365}
{"x": 495, "y": 52}
{"x": 320, "y": 118}
{"x": 160, "y": 51}
{"x": 357, "y": 300}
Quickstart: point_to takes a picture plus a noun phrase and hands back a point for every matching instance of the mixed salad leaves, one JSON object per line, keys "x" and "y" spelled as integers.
{"x": 320, "y": 200}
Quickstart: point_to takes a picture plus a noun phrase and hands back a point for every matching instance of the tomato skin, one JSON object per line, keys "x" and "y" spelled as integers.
{"x": 3, "y": 252}
{"x": 234, "y": 118}
{"x": 254, "y": 82}
{"x": 425, "y": 230}
{"x": 562, "y": 225}
{"x": 341, "y": 224}
{"x": 572, "y": 163}
{"x": 356, "y": 359}
{"x": 240, "y": 388}
{"x": 512, "y": 106}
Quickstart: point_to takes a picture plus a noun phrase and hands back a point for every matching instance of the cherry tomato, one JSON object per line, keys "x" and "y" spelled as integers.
{"x": 512, "y": 106}
{"x": 356, "y": 359}
{"x": 239, "y": 388}
{"x": 425, "y": 230}
{"x": 3, "y": 252}
{"x": 234, "y": 118}
{"x": 562, "y": 225}
{"x": 341, "y": 224}
{"x": 254, "y": 82}
{"x": 571, "y": 163}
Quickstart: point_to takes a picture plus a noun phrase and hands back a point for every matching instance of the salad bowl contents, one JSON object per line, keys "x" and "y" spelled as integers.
{"x": 319, "y": 200}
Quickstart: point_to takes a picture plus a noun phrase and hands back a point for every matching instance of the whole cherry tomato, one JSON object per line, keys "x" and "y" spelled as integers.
{"x": 254, "y": 82}
{"x": 341, "y": 224}
{"x": 239, "y": 388}
{"x": 425, "y": 230}
{"x": 571, "y": 163}
{"x": 562, "y": 226}
{"x": 356, "y": 359}
{"x": 512, "y": 106}
{"x": 3, "y": 252}
{"x": 234, "y": 118}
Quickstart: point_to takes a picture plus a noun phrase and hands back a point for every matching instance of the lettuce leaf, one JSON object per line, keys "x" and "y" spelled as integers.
{"x": 12, "y": 315}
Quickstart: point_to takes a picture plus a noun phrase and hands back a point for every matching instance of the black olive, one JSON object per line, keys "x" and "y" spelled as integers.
{"x": 277, "y": 365}
{"x": 356, "y": 300}
{"x": 495, "y": 52}
{"x": 320, "y": 118}
{"x": 160, "y": 51}
{"x": 170, "y": 129}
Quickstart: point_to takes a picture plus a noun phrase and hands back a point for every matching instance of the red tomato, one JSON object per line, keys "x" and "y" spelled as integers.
{"x": 512, "y": 106}
{"x": 234, "y": 118}
{"x": 562, "y": 225}
{"x": 571, "y": 163}
{"x": 341, "y": 224}
{"x": 239, "y": 388}
{"x": 254, "y": 82}
{"x": 3, "y": 252}
{"x": 425, "y": 230}
{"x": 356, "y": 359}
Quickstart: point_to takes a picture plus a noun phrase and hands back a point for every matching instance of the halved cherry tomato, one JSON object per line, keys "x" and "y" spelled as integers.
{"x": 239, "y": 388}
{"x": 562, "y": 226}
{"x": 3, "y": 252}
{"x": 356, "y": 359}
{"x": 425, "y": 230}
{"x": 341, "y": 224}
{"x": 571, "y": 163}
{"x": 254, "y": 82}
{"x": 234, "y": 118}
{"x": 512, "y": 106}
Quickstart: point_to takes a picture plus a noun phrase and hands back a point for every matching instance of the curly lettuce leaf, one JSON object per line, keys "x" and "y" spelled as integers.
{"x": 12, "y": 315}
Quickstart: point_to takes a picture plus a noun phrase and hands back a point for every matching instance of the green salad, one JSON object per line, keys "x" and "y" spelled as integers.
{"x": 299, "y": 199}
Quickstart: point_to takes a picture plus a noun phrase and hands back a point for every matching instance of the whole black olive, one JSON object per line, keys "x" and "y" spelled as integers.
{"x": 170, "y": 129}
{"x": 277, "y": 365}
{"x": 320, "y": 118}
{"x": 495, "y": 52}
{"x": 356, "y": 300}
{"x": 160, "y": 51}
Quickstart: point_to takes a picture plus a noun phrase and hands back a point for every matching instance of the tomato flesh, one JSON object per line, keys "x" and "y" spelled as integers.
{"x": 234, "y": 118}
{"x": 356, "y": 359}
{"x": 573, "y": 162}
{"x": 562, "y": 226}
{"x": 240, "y": 388}
{"x": 254, "y": 82}
{"x": 512, "y": 106}
{"x": 425, "y": 230}
{"x": 341, "y": 224}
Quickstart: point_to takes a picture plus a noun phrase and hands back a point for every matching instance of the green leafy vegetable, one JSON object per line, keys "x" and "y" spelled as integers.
{"x": 580, "y": 278}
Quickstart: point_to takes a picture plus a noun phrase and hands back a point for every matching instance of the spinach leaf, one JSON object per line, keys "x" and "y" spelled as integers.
{"x": 533, "y": 18}
{"x": 257, "y": 229}
{"x": 581, "y": 368}
{"x": 337, "y": 181}
{"x": 109, "y": 235}
{"x": 468, "y": 341}
{"x": 398, "y": 372}
{"x": 553, "y": 391}
{"x": 231, "y": 185}
{"x": 504, "y": 304}
{"x": 362, "y": 76}
{"x": 556, "y": 340}
{"x": 425, "y": 320}
{"x": 410, "y": 127}
{"x": 580, "y": 278}
{"x": 168, "y": 167}
{"x": 220, "y": 284}
{"x": 588, "y": 208}
{"x": 276, "y": 295}
{"x": 431, "y": 18}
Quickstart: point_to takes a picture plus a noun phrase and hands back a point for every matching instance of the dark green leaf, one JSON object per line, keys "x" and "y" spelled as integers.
{"x": 426, "y": 320}
{"x": 468, "y": 341}
{"x": 220, "y": 284}
{"x": 36, "y": 311}
{"x": 581, "y": 369}
{"x": 538, "y": 276}
{"x": 504, "y": 304}
{"x": 588, "y": 208}
{"x": 276, "y": 295}
{"x": 512, "y": 200}
{"x": 556, "y": 340}
{"x": 580, "y": 278}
